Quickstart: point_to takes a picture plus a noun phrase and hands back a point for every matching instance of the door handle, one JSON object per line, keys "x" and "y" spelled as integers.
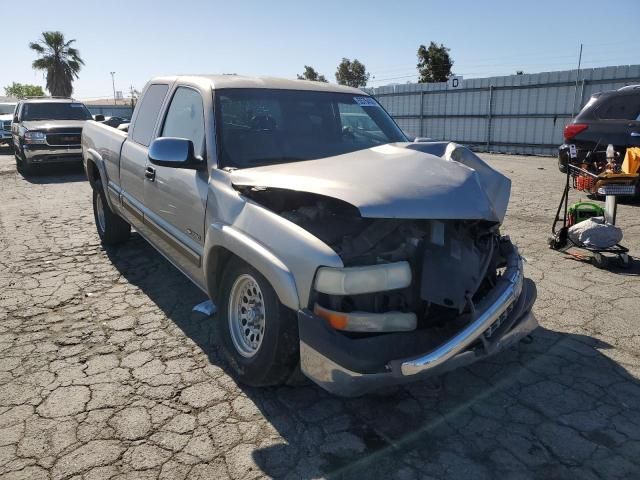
{"x": 150, "y": 174}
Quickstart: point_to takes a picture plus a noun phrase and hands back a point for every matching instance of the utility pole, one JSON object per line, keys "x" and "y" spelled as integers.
{"x": 575, "y": 93}
{"x": 133, "y": 93}
{"x": 113, "y": 83}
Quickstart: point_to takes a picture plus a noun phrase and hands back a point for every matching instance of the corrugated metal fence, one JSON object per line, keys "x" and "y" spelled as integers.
{"x": 512, "y": 114}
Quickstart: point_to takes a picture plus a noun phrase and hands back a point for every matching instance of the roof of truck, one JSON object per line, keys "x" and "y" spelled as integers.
{"x": 49, "y": 100}
{"x": 241, "y": 81}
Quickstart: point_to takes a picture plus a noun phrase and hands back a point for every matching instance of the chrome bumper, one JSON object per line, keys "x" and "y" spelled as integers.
{"x": 45, "y": 154}
{"x": 502, "y": 318}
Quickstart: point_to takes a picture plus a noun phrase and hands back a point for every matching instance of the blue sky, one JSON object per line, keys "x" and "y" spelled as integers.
{"x": 141, "y": 39}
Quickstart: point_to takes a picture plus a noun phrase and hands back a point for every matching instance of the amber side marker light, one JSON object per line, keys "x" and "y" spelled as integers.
{"x": 336, "y": 320}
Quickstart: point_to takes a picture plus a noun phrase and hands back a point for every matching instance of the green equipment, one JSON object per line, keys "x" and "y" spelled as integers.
{"x": 581, "y": 211}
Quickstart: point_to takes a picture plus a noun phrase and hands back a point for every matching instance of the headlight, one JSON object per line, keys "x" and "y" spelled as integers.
{"x": 368, "y": 279}
{"x": 35, "y": 137}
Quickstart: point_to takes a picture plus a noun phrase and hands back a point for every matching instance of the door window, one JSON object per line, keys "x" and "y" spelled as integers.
{"x": 185, "y": 118}
{"x": 148, "y": 114}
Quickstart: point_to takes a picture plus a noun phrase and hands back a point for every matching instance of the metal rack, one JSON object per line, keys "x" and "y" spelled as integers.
{"x": 581, "y": 179}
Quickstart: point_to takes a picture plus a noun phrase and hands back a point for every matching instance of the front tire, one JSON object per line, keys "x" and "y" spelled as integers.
{"x": 258, "y": 335}
{"x": 23, "y": 166}
{"x": 112, "y": 229}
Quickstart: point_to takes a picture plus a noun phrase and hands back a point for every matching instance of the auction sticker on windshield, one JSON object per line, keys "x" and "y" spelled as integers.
{"x": 366, "y": 101}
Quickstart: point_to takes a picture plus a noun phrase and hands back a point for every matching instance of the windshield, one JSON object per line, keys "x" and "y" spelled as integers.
{"x": 55, "y": 111}
{"x": 7, "y": 108}
{"x": 263, "y": 126}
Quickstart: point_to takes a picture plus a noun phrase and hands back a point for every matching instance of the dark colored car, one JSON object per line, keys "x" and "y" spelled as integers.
{"x": 611, "y": 117}
{"x": 115, "y": 122}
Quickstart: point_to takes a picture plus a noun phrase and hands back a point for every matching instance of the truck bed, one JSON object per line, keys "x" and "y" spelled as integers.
{"x": 105, "y": 142}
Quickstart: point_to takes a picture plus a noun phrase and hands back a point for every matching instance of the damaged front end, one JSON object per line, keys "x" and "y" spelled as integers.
{"x": 415, "y": 297}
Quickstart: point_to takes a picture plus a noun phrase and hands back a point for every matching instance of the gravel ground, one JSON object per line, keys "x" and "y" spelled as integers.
{"x": 104, "y": 373}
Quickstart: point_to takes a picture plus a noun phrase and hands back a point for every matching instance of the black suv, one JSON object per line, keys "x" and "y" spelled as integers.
{"x": 611, "y": 117}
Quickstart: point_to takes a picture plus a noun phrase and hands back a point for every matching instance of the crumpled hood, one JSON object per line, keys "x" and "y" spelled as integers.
{"x": 396, "y": 181}
{"x": 49, "y": 124}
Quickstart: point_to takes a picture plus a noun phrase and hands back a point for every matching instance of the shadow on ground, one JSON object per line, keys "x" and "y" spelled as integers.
{"x": 556, "y": 408}
{"x": 48, "y": 174}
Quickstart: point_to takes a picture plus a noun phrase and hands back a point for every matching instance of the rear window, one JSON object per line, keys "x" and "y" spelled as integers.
{"x": 148, "y": 114}
{"x": 620, "y": 107}
{"x": 55, "y": 111}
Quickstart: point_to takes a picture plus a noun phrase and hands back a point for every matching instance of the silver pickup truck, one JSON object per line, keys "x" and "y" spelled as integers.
{"x": 328, "y": 243}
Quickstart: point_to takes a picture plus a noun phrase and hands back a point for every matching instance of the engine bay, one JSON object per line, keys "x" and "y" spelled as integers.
{"x": 453, "y": 262}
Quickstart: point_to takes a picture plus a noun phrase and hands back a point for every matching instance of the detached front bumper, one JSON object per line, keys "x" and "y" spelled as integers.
{"x": 353, "y": 366}
{"x": 46, "y": 154}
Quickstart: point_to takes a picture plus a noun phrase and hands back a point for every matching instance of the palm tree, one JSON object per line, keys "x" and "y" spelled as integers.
{"x": 60, "y": 60}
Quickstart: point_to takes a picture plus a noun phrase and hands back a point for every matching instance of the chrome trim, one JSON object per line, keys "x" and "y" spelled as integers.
{"x": 32, "y": 152}
{"x": 491, "y": 307}
{"x": 341, "y": 381}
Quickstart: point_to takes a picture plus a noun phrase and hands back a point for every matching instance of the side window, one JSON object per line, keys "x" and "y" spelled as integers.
{"x": 622, "y": 107}
{"x": 148, "y": 114}
{"x": 185, "y": 118}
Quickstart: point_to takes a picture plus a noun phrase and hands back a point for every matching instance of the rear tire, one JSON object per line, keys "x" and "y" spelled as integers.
{"x": 112, "y": 229}
{"x": 258, "y": 335}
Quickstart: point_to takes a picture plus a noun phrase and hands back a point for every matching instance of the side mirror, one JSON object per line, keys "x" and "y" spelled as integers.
{"x": 98, "y": 118}
{"x": 174, "y": 152}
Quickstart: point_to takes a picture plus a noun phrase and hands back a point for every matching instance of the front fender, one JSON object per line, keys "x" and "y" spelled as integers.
{"x": 256, "y": 255}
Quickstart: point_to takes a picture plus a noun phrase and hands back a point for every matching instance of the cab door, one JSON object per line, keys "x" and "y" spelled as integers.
{"x": 176, "y": 198}
{"x": 133, "y": 157}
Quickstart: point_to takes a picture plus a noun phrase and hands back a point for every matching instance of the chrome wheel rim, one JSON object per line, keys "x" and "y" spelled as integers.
{"x": 100, "y": 213}
{"x": 246, "y": 315}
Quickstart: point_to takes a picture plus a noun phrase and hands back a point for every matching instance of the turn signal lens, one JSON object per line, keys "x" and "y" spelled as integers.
{"x": 336, "y": 320}
{"x": 367, "y": 321}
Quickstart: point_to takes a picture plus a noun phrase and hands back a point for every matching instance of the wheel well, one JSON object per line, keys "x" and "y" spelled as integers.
{"x": 216, "y": 263}
{"x": 93, "y": 174}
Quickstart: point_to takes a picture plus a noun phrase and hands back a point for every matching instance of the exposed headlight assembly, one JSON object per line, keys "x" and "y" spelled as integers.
{"x": 367, "y": 279}
{"x": 35, "y": 138}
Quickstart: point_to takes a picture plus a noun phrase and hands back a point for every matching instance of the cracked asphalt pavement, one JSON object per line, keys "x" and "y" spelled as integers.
{"x": 106, "y": 374}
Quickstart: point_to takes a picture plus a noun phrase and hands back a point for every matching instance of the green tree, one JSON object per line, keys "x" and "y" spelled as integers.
{"x": 434, "y": 63}
{"x": 352, "y": 74}
{"x": 22, "y": 90}
{"x": 59, "y": 60}
{"x": 311, "y": 74}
